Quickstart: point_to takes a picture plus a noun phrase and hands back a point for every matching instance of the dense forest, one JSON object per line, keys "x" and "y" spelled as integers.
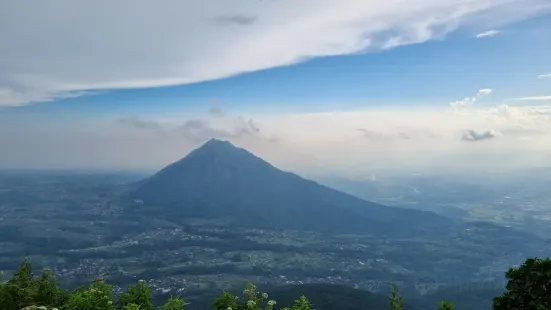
{"x": 527, "y": 289}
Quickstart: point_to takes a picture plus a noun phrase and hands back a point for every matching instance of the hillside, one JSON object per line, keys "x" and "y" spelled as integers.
{"x": 219, "y": 180}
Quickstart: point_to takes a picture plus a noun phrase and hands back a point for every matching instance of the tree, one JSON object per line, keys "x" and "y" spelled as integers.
{"x": 174, "y": 304}
{"x": 8, "y": 297}
{"x": 46, "y": 292}
{"x": 20, "y": 285}
{"x": 23, "y": 276}
{"x": 528, "y": 287}
{"x": 225, "y": 301}
{"x": 395, "y": 300}
{"x": 137, "y": 294}
{"x": 96, "y": 297}
{"x": 24, "y": 289}
{"x": 251, "y": 300}
{"x": 300, "y": 304}
{"x": 444, "y": 305}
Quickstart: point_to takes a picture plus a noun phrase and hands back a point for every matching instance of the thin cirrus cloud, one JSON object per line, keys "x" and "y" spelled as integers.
{"x": 486, "y": 34}
{"x": 60, "y": 48}
{"x": 544, "y": 76}
{"x": 240, "y": 20}
{"x": 536, "y": 98}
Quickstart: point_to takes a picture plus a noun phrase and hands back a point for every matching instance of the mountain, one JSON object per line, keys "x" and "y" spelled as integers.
{"x": 219, "y": 180}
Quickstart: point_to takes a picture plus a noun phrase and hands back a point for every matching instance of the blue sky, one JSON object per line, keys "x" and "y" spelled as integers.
{"x": 264, "y": 61}
{"x": 430, "y": 73}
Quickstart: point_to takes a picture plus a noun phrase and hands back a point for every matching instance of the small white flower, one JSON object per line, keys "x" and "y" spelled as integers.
{"x": 271, "y": 302}
{"x": 110, "y": 302}
{"x": 264, "y": 295}
{"x": 251, "y": 303}
{"x": 229, "y": 308}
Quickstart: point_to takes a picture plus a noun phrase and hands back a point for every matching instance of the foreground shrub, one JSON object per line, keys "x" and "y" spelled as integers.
{"x": 528, "y": 287}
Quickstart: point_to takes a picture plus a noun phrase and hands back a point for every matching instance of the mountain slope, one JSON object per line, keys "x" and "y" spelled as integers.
{"x": 219, "y": 180}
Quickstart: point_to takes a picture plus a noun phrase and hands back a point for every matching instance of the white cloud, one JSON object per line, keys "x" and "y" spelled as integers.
{"x": 543, "y": 76}
{"x": 59, "y": 48}
{"x": 484, "y": 92}
{"x": 466, "y": 102}
{"x": 469, "y": 101}
{"x": 489, "y": 33}
{"x": 536, "y": 98}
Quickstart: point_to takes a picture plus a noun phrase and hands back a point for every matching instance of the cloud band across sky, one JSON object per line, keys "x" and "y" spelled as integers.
{"x": 346, "y": 143}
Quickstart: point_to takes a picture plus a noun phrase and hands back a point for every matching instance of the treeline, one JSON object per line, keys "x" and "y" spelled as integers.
{"x": 528, "y": 288}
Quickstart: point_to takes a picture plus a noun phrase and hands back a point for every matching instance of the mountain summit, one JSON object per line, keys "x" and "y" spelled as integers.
{"x": 219, "y": 180}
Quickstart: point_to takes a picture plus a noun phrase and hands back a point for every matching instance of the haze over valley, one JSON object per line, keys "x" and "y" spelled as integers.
{"x": 221, "y": 217}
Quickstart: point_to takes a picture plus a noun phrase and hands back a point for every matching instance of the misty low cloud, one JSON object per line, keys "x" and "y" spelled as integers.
{"x": 201, "y": 130}
{"x": 139, "y": 123}
{"x": 472, "y": 135}
{"x": 196, "y": 129}
{"x": 342, "y": 141}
